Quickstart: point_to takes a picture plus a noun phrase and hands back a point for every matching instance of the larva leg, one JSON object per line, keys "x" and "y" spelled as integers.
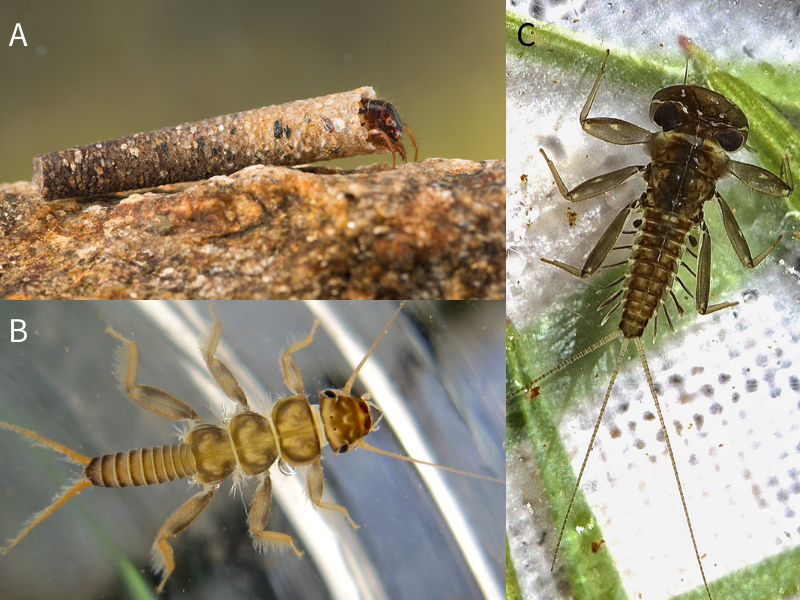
{"x": 393, "y": 148}
{"x": 413, "y": 141}
{"x": 163, "y": 558}
{"x": 258, "y": 517}
{"x": 289, "y": 368}
{"x": 315, "y": 486}
{"x": 150, "y": 398}
{"x": 221, "y": 373}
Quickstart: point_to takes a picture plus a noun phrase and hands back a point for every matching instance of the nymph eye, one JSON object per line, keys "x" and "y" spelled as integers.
{"x": 329, "y": 394}
{"x": 730, "y": 139}
{"x": 666, "y": 117}
{"x": 343, "y": 448}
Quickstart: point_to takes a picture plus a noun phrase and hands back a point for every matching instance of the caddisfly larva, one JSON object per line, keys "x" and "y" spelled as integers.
{"x": 689, "y": 154}
{"x": 382, "y": 119}
{"x": 158, "y": 401}
{"x": 305, "y": 131}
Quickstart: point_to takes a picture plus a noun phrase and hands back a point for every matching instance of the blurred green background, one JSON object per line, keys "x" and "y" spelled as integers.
{"x": 94, "y": 70}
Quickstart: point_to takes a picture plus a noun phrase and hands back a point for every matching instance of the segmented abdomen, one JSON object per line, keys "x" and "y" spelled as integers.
{"x": 652, "y": 267}
{"x": 145, "y": 466}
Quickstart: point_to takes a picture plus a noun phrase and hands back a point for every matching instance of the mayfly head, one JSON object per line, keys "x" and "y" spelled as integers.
{"x": 346, "y": 419}
{"x": 699, "y": 112}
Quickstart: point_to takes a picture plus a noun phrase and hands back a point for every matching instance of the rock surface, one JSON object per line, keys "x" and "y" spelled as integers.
{"x": 434, "y": 229}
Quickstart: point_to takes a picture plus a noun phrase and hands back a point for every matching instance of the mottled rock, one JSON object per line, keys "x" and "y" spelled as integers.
{"x": 434, "y": 229}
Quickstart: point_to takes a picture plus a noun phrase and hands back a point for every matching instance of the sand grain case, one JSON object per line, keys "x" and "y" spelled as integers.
{"x": 288, "y": 134}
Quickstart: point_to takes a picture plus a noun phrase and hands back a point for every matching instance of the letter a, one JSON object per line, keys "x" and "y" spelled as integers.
{"x": 21, "y": 36}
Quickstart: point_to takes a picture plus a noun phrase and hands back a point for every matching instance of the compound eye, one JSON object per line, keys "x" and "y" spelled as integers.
{"x": 329, "y": 394}
{"x": 730, "y": 139}
{"x": 666, "y": 117}
{"x": 343, "y": 448}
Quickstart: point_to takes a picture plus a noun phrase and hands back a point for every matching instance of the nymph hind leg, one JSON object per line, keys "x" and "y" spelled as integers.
{"x": 316, "y": 483}
{"x": 150, "y": 398}
{"x": 163, "y": 558}
{"x": 258, "y": 517}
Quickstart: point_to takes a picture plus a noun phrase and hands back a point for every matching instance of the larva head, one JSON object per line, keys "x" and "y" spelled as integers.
{"x": 379, "y": 114}
{"x": 346, "y": 419}
{"x": 381, "y": 118}
{"x": 699, "y": 111}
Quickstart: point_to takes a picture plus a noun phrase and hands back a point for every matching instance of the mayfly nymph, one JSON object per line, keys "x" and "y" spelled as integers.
{"x": 293, "y": 431}
{"x": 689, "y": 154}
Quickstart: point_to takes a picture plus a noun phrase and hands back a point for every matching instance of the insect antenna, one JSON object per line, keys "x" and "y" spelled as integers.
{"x": 349, "y": 385}
{"x": 66, "y": 493}
{"x": 366, "y": 446}
{"x": 640, "y": 350}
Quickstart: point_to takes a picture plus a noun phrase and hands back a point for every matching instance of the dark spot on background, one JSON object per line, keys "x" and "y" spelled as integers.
{"x": 675, "y": 380}
{"x": 698, "y": 421}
